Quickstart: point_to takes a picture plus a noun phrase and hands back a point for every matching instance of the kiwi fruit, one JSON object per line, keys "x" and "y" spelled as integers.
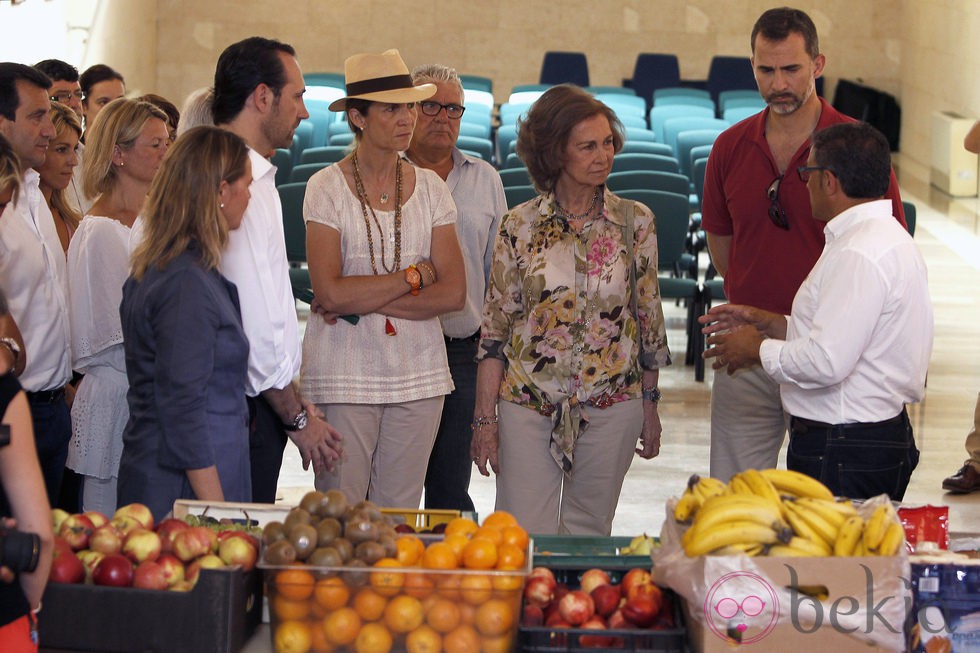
{"x": 280, "y": 552}
{"x": 328, "y": 530}
{"x": 355, "y": 573}
{"x": 336, "y": 504}
{"x": 273, "y": 532}
{"x": 360, "y": 529}
{"x": 370, "y": 509}
{"x": 303, "y": 539}
{"x": 297, "y": 516}
{"x": 344, "y": 548}
{"x": 325, "y": 556}
{"x": 311, "y": 502}
{"x": 387, "y": 542}
{"x": 369, "y": 552}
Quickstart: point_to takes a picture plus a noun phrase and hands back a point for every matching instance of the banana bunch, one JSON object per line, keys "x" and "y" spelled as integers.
{"x": 780, "y": 512}
{"x": 641, "y": 545}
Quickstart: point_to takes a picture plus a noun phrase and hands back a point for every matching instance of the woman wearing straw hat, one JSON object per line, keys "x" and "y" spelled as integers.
{"x": 383, "y": 256}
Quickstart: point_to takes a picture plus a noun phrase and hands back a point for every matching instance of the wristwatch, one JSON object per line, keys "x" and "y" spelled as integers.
{"x": 12, "y": 345}
{"x": 414, "y": 278}
{"x": 298, "y": 423}
{"x": 651, "y": 394}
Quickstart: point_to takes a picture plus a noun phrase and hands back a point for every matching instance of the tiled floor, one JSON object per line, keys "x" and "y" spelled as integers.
{"x": 948, "y": 233}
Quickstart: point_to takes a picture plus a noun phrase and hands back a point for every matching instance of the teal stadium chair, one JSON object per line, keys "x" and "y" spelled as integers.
{"x": 325, "y": 154}
{"x": 646, "y": 147}
{"x": 685, "y": 101}
{"x": 688, "y": 140}
{"x": 680, "y": 91}
{"x": 909, "y": 209}
{"x": 303, "y": 172}
{"x": 519, "y": 194}
{"x": 477, "y": 83}
{"x": 661, "y": 114}
{"x": 671, "y": 182}
{"x": 626, "y": 162}
{"x": 283, "y": 160}
{"x": 292, "y": 196}
{"x": 482, "y": 146}
{"x": 514, "y": 177}
{"x": 675, "y": 126}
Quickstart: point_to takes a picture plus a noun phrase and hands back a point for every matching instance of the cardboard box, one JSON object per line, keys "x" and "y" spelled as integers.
{"x": 218, "y": 615}
{"x": 759, "y": 602}
{"x": 945, "y": 612}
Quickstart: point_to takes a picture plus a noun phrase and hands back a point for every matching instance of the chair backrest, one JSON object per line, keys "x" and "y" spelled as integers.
{"x": 733, "y": 115}
{"x": 325, "y": 154}
{"x": 625, "y": 162}
{"x": 697, "y": 172}
{"x": 909, "y": 208}
{"x": 475, "y": 144}
{"x": 473, "y": 96}
{"x": 304, "y": 132}
{"x": 513, "y": 161}
{"x": 292, "y": 195}
{"x": 671, "y": 182}
{"x": 610, "y": 90}
{"x": 476, "y": 83}
{"x": 687, "y": 140}
{"x": 621, "y": 103}
{"x": 511, "y": 111}
{"x": 684, "y": 91}
{"x": 519, "y": 194}
{"x": 565, "y": 67}
{"x": 525, "y": 97}
{"x": 646, "y": 147}
{"x": 632, "y": 120}
{"x": 675, "y": 126}
{"x": 729, "y": 73}
{"x": 662, "y": 113}
{"x": 303, "y": 172}
{"x": 474, "y": 129}
{"x": 737, "y": 101}
{"x": 283, "y": 160}
{"x": 653, "y": 71}
{"x": 670, "y": 211}
{"x": 687, "y": 101}
{"x": 640, "y": 134}
{"x": 506, "y": 135}
{"x": 737, "y": 95}
{"x": 514, "y": 177}
{"x": 343, "y": 138}
{"x": 700, "y": 152}
{"x": 325, "y": 79}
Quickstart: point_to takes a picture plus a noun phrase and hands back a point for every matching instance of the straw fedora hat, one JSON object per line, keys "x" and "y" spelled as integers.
{"x": 380, "y": 78}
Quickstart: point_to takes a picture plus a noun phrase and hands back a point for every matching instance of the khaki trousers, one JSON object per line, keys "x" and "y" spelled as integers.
{"x": 532, "y": 487}
{"x": 973, "y": 438}
{"x": 386, "y": 450}
{"x": 748, "y": 423}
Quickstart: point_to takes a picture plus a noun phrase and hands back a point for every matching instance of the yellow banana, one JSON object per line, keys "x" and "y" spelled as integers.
{"x": 826, "y": 531}
{"x": 725, "y": 534}
{"x": 740, "y": 549}
{"x": 801, "y": 528}
{"x": 859, "y": 549}
{"x": 737, "y": 508}
{"x": 686, "y": 506}
{"x": 877, "y": 524}
{"x": 738, "y": 485}
{"x": 708, "y": 487}
{"x": 760, "y": 485}
{"x": 892, "y": 540}
{"x": 848, "y": 536}
{"x": 790, "y": 482}
{"x": 799, "y": 547}
{"x": 826, "y": 509}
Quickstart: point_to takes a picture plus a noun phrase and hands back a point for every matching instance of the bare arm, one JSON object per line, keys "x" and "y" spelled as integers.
{"x": 489, "y": 374}
{"x": 205, "y": 483}
{"x": 652, "y": 428}
{"x": 319, "y": 442}
{"x": 448, "y": 293}
{"x": 718, "y": 247}
{"x": 20, "y": 475}
{"x": 9, "y": 329}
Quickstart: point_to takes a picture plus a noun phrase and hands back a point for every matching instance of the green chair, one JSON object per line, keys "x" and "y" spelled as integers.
{"x": 688, "y": 140}
{"x": 303, "y": 172}
{"x": 283, "y": 160}
{"x": 476, "y": 83}
{"x": 661, "y": 114}
{"x": 325, "y": 154}
{"x": 292, "y": 196}
{"x": 909, "y": 209}
{"x": 679, "y": 91}
{"x": 519, "y": 194}
{"x": 625, "y": 162}
{"x": 674, "y": 126}
{"x": 646, "y": 147}
{"x": 514, "y": 177}
{"x": 648, "y": 180}
{"x": 475, "y": 144}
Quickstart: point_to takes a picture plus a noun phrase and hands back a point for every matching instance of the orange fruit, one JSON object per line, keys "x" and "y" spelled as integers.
{"x": 500, "y": 644}
{"x": 423, "y": 640}
{"x": 331, "y": 593}
{"x": 368, "y": 604}
{"x": 287, "y": 610}
{"x": 403, "y": 614}
{"x": 495, "y": 617}
{"x": 462, "y": 526}
{"x": 515, "y": 535}
{"x": 292, "y": 637}
{"x": 448, "y": 585}
{"x": 510, "y": 557}
{"x": 495, "y": 535}
{"x": 462, "y": 639}
{"x": 507, "y": 584}
{"x": 342, "y": 626}
{"x": 467, "y": 613}
{"x": 475, "y": 588}
{"x": 387, "y": 583}
{"x": 499, "y": 519}
{"x": 373, "y": 638}
{"x": 439, "y": 555}
{"x": 457, "y": 542}
{"x": 480, "y": 553}
{"x": 320, "y": 643}
{"x": 409, "y": 550}
{"x": 294, "y": 583}
{"x": 419, "y": 585}
{"x": 442, "y": 615}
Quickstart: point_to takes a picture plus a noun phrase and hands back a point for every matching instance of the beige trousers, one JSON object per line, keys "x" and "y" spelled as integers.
{"x": 532, "y": 487}
{"x": 973, "y": 438}
{"x": 386, "y": 450}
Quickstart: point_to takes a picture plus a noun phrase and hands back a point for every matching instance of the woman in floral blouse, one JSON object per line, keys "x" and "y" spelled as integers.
{"x": 571, "y": 345}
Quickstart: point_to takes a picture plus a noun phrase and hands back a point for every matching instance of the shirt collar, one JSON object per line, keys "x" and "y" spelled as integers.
{"x": 261, "y": 166}
{"x": 849, "y": 218}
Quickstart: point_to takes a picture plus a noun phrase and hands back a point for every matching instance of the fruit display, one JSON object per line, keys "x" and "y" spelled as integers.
{"x": 779, "y": 512}
{"x": 129, "y": 550}
{"x": 339, "y": 577}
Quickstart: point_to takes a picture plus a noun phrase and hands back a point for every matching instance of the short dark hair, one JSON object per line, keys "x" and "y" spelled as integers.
{"x": 165, "y": 105}
{"x": 543, "y": 135}
{"x": 777, "y": 24}
{"x": 96, "y": 74}
{"x": 858, "y": 155}
{"x": 58, "y": 70}
{"x": 241, "y": 68}
{"x": 10, "y": 74}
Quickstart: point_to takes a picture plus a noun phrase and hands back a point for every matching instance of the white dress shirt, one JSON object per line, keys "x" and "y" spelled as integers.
{"x": 255, "y": 261}
{"x": 32, "y": 274}
{"x": 859, "y": 338}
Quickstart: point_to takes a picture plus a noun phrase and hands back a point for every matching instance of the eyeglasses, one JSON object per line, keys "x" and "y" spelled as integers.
{"x": 750, "y": 606}
{"x": 776, "y": 213}
{"x": 453, "y": 111}
{"x": 65, "y": 96}
{"x": 804, "y": 172}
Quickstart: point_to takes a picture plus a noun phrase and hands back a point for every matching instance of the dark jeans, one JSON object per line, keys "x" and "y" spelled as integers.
{"x": 858, "y": 461}
{"x": 447, "y": 480}
{"x": 52, "y": 431}
{"x": 266, "y": 443}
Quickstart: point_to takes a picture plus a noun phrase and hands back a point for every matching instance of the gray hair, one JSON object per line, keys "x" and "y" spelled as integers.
{"x": 196, "y": 111}
{"x": 434, "y": 73}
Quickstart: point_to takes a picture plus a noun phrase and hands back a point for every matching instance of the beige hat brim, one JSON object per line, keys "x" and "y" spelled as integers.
{"x": 394, "y": 96}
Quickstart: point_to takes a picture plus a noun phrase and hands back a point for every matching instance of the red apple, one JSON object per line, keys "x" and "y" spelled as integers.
{"x": 137, "y": 511}
{"x": 641, "y": 610}
{"x": 606, "y": 599}
{"x": 57, "y": 516}
{"x": 404, "y": 528}
{"x": 66, "y": 567}
{"x": 554, "y": 620}
{"x": 207, "y": 561}
{"x": 592, "y": 579}
{"x": 192, "y": 543}
{"x": 539, "y": 591}
{"x": 106, "y": 539}
{"x": 560, "y": 591}
{"x": 533, "y": 616}
{"x": 576, "y": 607}
{"x": 238, "y": 551}
{"x": 141, "y": 545}
{"x": 97, "y": 518}
{"x": 635, "y": 578}
{"x": 113, "y": 570}
{"x": 173, "y": 568}
{"x": 124, "y": 524}
{"x": 76, "y": 529}
{"x": 90, "y": 559}
{"x": 150, "y": 575}
{"x": 242, "y": 535}
{"x": 617, "y": 621}
{"x": 544, "y": 572}
{"x": 595, "y": 641}
{"x": 182, "y": 586}
{"x": 168, "y": 529}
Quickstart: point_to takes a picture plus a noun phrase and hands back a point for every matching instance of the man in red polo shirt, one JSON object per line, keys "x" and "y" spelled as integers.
{"x": 761, "y": 234}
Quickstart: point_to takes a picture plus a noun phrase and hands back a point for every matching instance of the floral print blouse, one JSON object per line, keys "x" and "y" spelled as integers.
{"x": 558, "y": 312}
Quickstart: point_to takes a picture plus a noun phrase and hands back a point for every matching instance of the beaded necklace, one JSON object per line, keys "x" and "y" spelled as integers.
{"x": 568, "y": 215}
{"x": 366, "y": 206}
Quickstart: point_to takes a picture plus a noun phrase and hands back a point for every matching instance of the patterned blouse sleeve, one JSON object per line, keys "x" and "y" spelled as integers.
{"x": 653, "y": 330}
{"x": 503, "y": 300}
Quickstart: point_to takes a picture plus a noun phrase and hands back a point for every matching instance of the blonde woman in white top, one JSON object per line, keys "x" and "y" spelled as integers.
{"x": 383, "y": 256}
